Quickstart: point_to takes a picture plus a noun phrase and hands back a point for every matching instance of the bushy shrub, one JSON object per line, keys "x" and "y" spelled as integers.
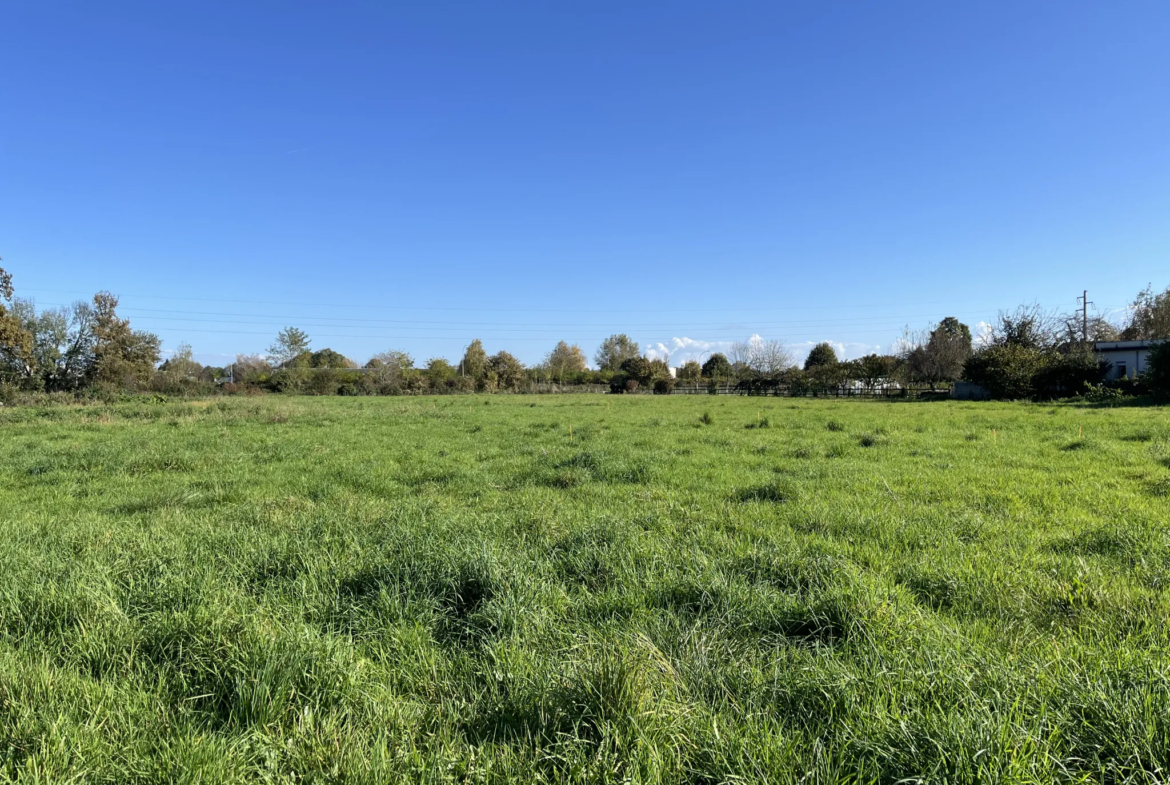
{"x": 1019, "y": 372}
{"x": 663, "y": 386}
{"x": 1102, "y": 393}
{"x": 1006, "y": 371}
{"x": 1065, "y": 374}
{"x": 1157, "y": 374}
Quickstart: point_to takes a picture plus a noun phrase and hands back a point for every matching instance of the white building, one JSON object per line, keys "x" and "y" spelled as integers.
{"x": 1128, "y": 357}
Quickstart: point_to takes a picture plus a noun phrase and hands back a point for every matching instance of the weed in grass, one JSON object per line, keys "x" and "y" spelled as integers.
{"x": 1160, "y": 488}
{"x": 706, "y": 419}
{"x": 835, "y": 426}
{"x": 774, "y": 493}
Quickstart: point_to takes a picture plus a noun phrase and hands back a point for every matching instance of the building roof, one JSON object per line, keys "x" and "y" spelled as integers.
{"x": 1105, "y": 346}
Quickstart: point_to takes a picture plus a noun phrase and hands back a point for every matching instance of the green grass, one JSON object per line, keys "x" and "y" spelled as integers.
{"x": 433, "y": 590}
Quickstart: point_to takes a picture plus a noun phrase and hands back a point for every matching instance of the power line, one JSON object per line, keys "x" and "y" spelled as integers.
{"x": 548, "y": 338}
{"x": 320, "y": 321}
{"x": 406, "y": 307}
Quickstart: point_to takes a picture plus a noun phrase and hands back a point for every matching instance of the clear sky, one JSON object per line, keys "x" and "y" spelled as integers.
{"x": 415, "y": 175}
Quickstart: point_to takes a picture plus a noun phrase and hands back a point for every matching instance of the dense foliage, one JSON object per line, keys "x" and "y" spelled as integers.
{"x": 89, "y": 350}
{"x": 820, "y": 356}
{"x": 1157, "y": 377}
{"x": 1028, "y": 357}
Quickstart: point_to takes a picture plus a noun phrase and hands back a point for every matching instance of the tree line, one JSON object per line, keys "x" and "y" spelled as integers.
{"x": 87, "y": 348}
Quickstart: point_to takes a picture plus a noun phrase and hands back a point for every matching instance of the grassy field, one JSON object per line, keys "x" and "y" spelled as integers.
{"x": 684, "y": 589}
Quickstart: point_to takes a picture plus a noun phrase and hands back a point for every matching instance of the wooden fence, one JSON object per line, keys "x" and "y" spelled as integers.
{"x": 786, "y": 391}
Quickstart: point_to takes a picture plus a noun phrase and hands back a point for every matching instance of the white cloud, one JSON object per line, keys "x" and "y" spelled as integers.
{"x": 981, "y": 335}
{"x": 845, "y": 350}
{"x": 682, "y": 349}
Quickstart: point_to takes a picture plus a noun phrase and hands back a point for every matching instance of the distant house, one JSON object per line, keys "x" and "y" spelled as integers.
{"x": 1128, "y": 358}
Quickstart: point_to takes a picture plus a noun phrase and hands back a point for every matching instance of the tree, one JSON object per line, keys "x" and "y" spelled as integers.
{"x": 938, "y": 356}
{"x": 1028, "y": 356}
{"x": 1029, "y": 326}
{"x": 509, "y": 371}
{"x": 873, "y": 369}
{"x": 291, "y": 343}
{"x": 474, "y": 364}
{"x": 1149, "y": 316}
{"x": 717, "y": 367}
{"x": 1006, "y": 370}
{"x": 820, "y": 356}
{"x": 564, "y": 361}
{"x": 123, "y": 358}
{"x": 739, "y": 356}
{"x": 327, "y": 358}
{"x": 614, "y": 351}
{"x": 1157, "y": 374}
{"x": 388, "y": 370}
{"x": 440, "y": 374}
{"x": 62, "y": 344}
{"x": 1073, "y": 327}
{"x": 180, "y": 373}
{"x": 769, "y": 359}
{"x": 181, "y": 364}
{"x": 250, "y": 368}
{"x": 640, "y": 369}
{"x": 690, "y": 372}
{"x": 16, "y": 343}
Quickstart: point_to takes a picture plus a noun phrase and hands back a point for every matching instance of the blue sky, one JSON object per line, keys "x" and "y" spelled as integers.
{"x": 416, "y": 175}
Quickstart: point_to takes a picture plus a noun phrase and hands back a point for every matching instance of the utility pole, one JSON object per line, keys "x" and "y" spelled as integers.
{"x": 1084, "y": 298}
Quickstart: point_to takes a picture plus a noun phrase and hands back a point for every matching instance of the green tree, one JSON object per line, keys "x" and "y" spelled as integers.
{"x": 941, "y": 356}
{"x": 690, "y": 372}
{"x": 508, "y": 370}
{"x": 872, "y": 369}
{"x": 1028, "y": 326}
{"x": 717, "y": 367}
{"x": 17, "y": 359}
{"x": 290, "y": 344}
{"x": 565, "y": 361}
{"x": 474, "y": 364}
{"x": 123, "y": 358}
{"x": 820, "y": 356}
{"x": 1157, "y": 373}
{"x": 389, "y": 371}
{"x": 1007, "y": 371}
{"x": 327, "y": 358}
{"x": 1149, "y": 316}
{"x": 180, "y": 374}
{"x": 440, "y": 374}
{"x": 640, "y": 369}
{"x": 614, "y": 351}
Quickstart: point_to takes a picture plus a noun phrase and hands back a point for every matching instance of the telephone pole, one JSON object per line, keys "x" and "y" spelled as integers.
{"x": 1084, "y": 298}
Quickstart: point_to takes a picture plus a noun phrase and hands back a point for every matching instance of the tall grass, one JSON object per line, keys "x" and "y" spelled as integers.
{"x": 384, "y": 590}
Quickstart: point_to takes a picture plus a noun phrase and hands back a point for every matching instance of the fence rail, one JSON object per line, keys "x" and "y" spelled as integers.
{"x": 787, "y": 391}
